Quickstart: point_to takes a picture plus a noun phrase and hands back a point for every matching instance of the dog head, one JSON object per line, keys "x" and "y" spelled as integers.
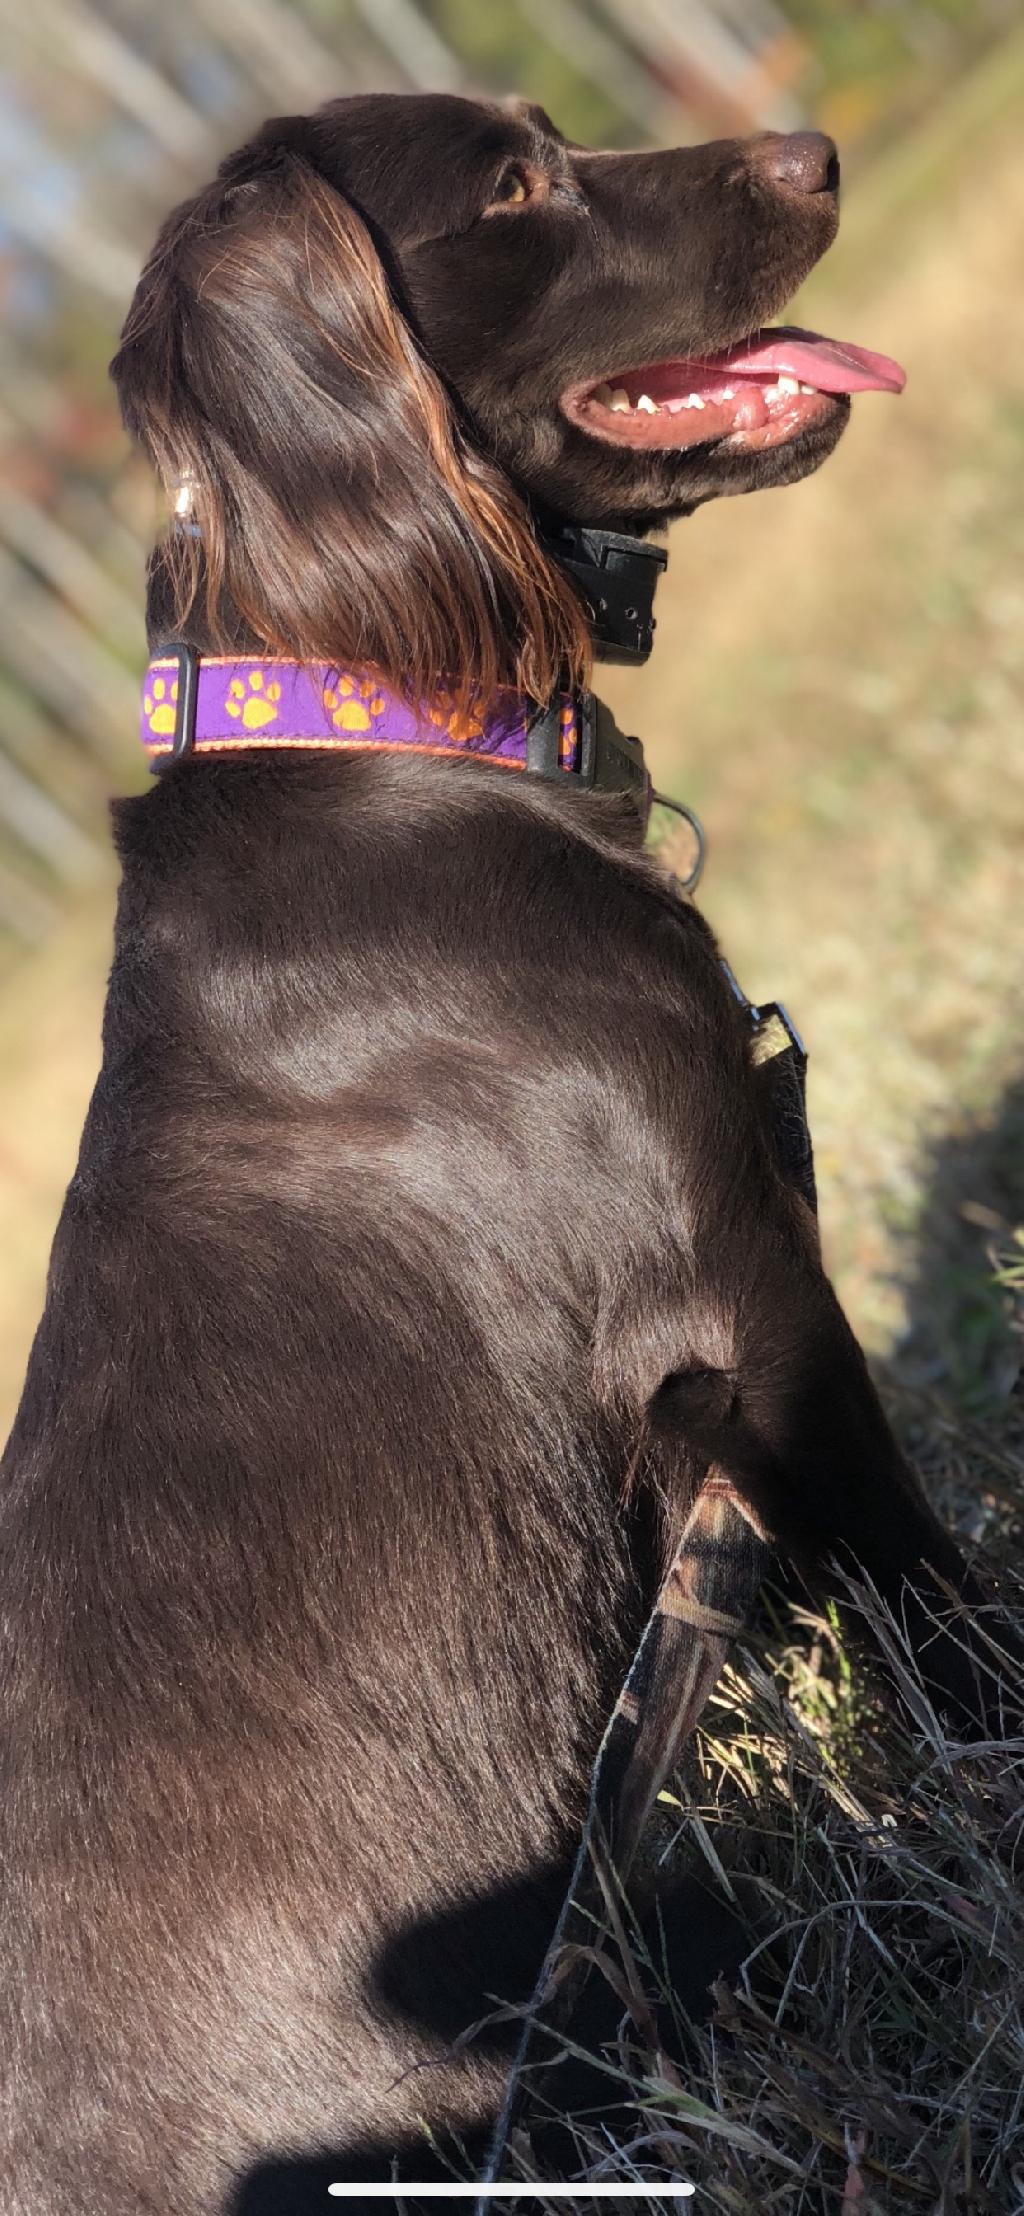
{"x": 390, "y": 333}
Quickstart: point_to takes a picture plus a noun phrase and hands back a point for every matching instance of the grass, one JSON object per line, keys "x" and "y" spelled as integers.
{"x": 868, "y": 2057}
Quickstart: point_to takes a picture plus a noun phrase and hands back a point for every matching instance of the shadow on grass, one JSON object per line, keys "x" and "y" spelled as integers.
{"x": 965, "y": 1334}
{"x": 299, "y": 2186}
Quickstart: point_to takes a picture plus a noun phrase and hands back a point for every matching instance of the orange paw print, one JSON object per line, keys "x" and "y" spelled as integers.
{"x": 462, "y": 726}
{"x": 352, "y": 709}
{"x": 160, "y": 705}
{"x": 254, "y": 703}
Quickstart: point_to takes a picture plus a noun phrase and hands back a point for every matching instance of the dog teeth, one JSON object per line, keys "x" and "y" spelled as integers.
{"x": 617, "y": 398}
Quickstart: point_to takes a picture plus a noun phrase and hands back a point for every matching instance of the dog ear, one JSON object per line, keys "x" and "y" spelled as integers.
{"x": 339, "y": 512}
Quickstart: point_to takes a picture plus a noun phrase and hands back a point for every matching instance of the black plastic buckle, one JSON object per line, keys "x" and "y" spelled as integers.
{"x": 608, "y": 761}
{"x": 618, "y": 760}
{"x": 544, "y": 739}
{"x": 186, "y": 701}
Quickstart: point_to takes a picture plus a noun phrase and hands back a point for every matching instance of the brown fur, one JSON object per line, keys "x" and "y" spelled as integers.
{"x": 425, "y": 1178}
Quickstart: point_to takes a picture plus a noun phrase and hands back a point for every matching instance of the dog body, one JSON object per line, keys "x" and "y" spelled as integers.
{"x": 338, "y": 1587}
{"x": 426, "y": 1241}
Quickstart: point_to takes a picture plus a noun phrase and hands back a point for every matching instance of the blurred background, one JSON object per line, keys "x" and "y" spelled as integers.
{"x": 837, "y": 681}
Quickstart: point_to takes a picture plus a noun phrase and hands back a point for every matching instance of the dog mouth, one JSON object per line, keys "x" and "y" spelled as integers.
{"x": 758, "y": 394}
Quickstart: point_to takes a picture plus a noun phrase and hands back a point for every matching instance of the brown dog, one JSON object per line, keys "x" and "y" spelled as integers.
{"x": 425, "y": 1182}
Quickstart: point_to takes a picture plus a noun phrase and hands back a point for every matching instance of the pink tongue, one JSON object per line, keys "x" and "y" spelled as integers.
{"x": 828, "y": 364}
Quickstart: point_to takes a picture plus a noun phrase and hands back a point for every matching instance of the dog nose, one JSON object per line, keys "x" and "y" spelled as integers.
{"x": 807, "y": 161}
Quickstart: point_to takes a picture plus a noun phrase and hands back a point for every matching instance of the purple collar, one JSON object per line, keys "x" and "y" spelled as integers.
{"x": 219, "y": 704}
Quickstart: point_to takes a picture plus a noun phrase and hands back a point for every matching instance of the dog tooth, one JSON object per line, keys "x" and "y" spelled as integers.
{"x": 789, "y": 384}
{"x": 649, "y": 406}
{"x": 808, "y": 388}
{"x": 694, "y": 401}
{"x": 728, "y": 392}
{"x": 619, "y": 400}
{"x": 602, "y": 393}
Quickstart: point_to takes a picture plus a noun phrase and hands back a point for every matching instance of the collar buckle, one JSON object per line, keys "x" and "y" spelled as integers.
{"x": 186, "y": 698}
{"x": 608, "y": 761}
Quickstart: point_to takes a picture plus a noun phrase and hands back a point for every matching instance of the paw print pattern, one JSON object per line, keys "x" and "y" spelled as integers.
{"x": 160, "y": 704}
{"x": 353, "y": 708}
{"x": 251, "y": 702}
{"x": 461, "y": 726}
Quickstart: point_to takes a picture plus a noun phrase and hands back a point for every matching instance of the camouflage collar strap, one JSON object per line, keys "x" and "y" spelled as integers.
{"x": 195, "y": 704}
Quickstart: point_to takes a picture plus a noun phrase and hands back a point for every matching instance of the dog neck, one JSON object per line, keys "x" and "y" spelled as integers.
{"x": 207, "y": 703}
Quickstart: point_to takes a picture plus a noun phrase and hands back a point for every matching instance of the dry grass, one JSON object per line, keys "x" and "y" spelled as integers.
{"x": 868, "y": 2057}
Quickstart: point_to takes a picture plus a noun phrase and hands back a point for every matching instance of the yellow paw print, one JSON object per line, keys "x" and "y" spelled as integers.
{"x": 160, "y": 707}
{"x": 460, "y": 726}
{"x": 352, "y": 711}
{"x": 253, "y": 701}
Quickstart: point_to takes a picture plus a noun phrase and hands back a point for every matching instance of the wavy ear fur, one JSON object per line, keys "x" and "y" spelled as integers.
{"x": 343, "y": 515}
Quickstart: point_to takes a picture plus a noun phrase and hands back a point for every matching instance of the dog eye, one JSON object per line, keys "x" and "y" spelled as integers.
{"x": 512, "y": 187}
